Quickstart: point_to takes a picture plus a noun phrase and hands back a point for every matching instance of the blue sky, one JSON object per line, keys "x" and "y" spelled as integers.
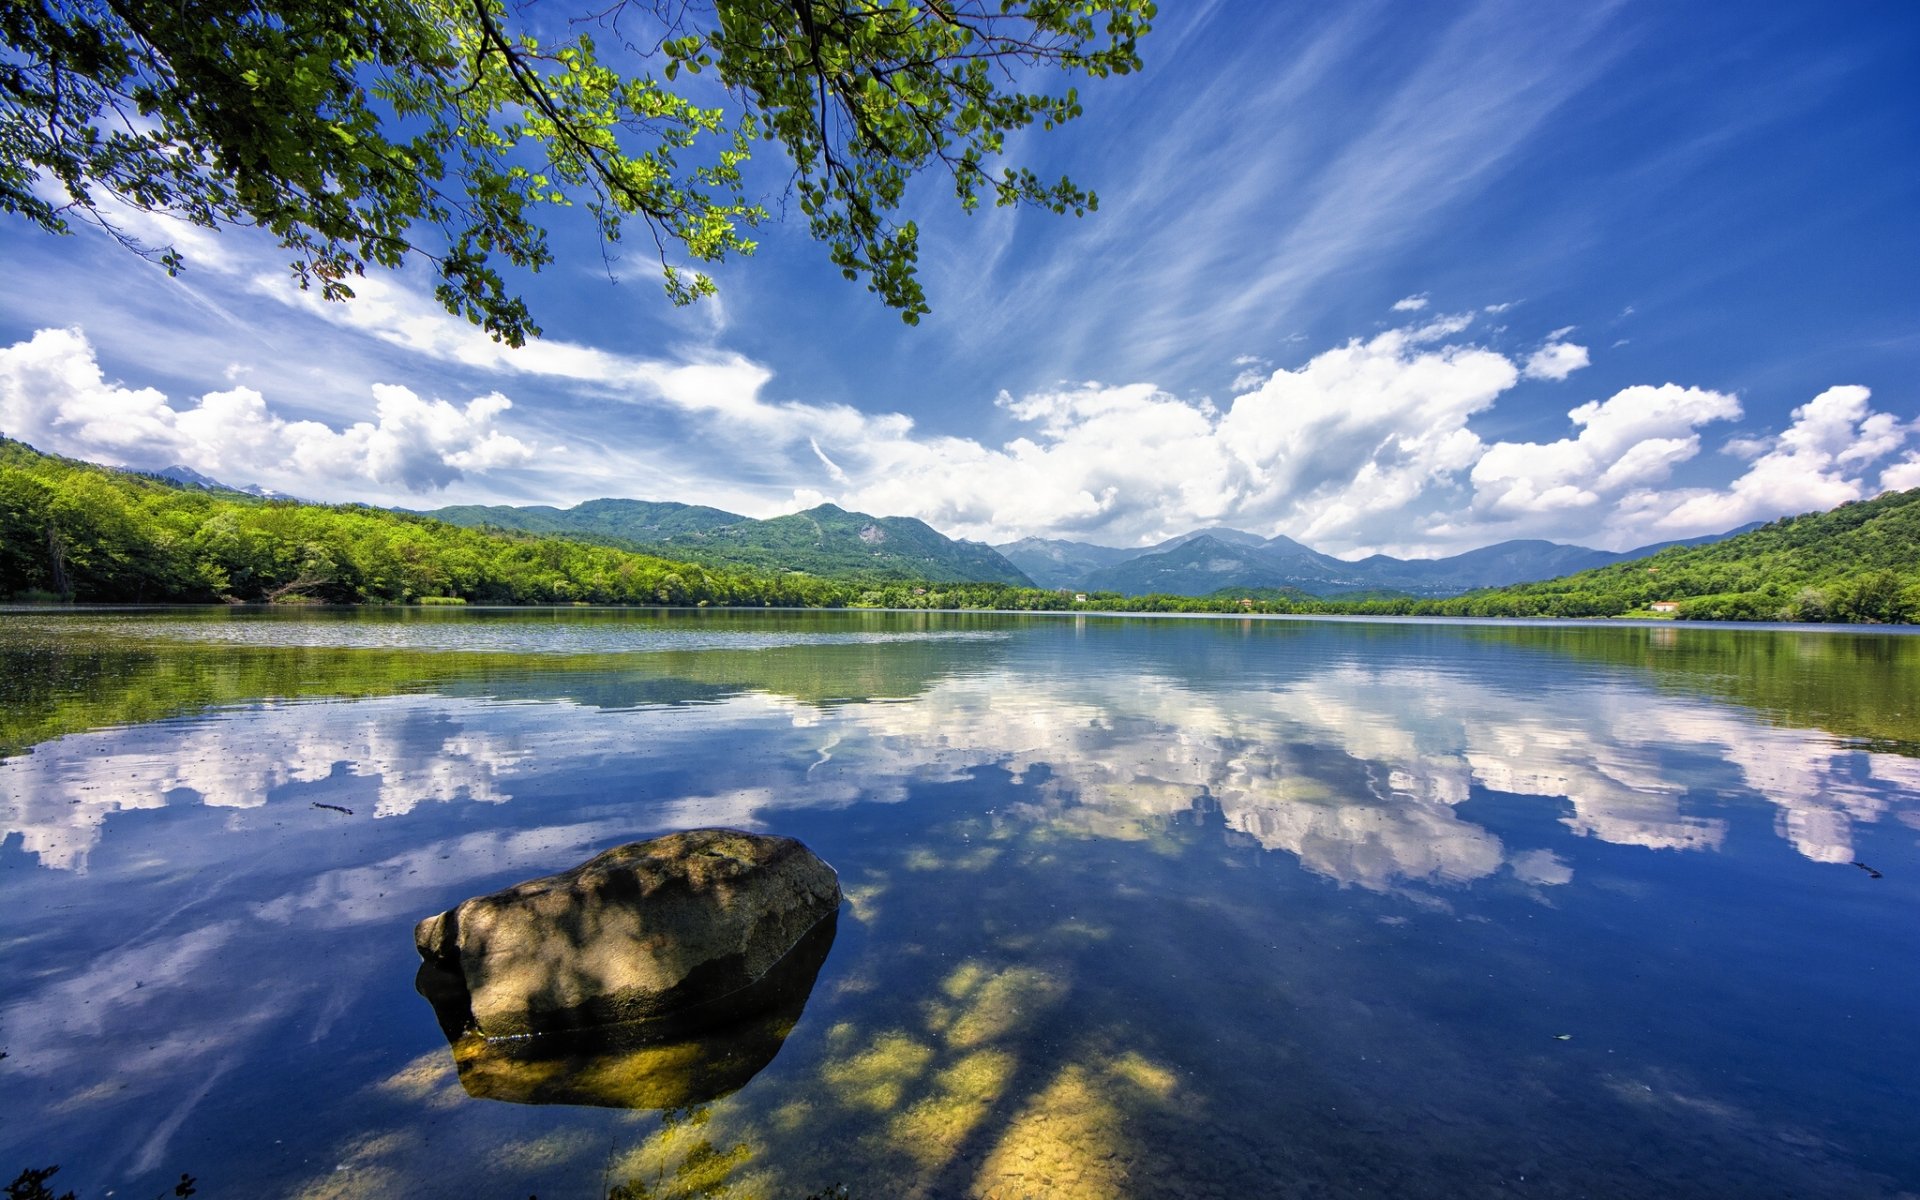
{"x": 1393, "y": 276}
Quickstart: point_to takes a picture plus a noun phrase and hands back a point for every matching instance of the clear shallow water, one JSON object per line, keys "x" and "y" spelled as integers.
{"x": 1136, "y": 908}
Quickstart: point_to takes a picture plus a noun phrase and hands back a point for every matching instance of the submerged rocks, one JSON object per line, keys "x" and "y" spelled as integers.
{"x": 675, "y": 933}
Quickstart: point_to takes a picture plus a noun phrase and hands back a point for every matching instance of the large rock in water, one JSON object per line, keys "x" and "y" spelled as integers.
{"x": 675, "y": 931}
{"x": 633, "y": 1065}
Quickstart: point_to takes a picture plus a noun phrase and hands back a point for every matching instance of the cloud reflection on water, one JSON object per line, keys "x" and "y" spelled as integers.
{"x": 1370, "y": 773}
{"x": 1357, "y": 772}
{"x": 60, "y": 797}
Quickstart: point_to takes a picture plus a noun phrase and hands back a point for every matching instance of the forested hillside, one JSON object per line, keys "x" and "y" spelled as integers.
{"x": 76, "y": 531}
{"x": 615, "y": 521}
{"x": 825, "y": 540}
{"x": 829, "y": 540}
{"x": 1859, "y": 562}
{"x": 71, "y": 530}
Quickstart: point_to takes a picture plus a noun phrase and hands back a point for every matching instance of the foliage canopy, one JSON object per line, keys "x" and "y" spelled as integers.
{"x": 381, "y": 131}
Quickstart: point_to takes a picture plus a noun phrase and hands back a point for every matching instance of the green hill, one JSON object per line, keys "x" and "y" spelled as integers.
{"x": 1858, "y": 562}
{"x": 832, "y": 542}
{"x": 78, "y": 531}
{"x": 627, "y": 521}
{"x": 826, "y": 541}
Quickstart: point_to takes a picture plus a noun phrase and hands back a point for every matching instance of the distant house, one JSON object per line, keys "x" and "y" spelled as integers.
{"x": 1246, "y": 602}
{"x": 1079, "y": 597}
{"x": 1665, "y": 606}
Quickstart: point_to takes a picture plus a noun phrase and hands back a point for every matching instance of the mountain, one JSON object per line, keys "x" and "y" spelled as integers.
{"x": 1509, "y": 562}
{"x": 192, "y": 478}
{"x": 827, "y": 541}
{"x": 830, "y": 541}
{"x": 628, "y": 521}
{"x": 84, "y": 532}
{"x": 1858, "y": 562}
{"x": 1232, "y": 537}
{"x": 1053, "y": 563}
{"x": 187, "y": 477}
{"x": 1207, "y": 563}
{"x": 1489, "y": 566}
{"x": 1213, "y": 560}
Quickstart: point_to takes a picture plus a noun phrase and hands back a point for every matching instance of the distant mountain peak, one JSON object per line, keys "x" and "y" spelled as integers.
{"x": 188, "y": 475}
{"x": 825, "y": 540}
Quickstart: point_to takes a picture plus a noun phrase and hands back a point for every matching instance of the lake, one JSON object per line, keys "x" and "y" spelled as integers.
{"x": 1134, "y": 907}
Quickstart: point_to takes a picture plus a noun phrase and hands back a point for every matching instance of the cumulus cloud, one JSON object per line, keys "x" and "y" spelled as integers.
{"x": 1413, "y": 303}
{"x": 1819, "y": 461}
{"x": 1632, "y": 439}
{"x": 1123, "y": 460}
{"x": 1368, "y": 446}
{"x": 1335, "y": 446}
{"x": 1556, "y": 360}
{"x": 1360, "y": 432}
{"x": 54, "y": 395}
{"x": 1901, "y": 475}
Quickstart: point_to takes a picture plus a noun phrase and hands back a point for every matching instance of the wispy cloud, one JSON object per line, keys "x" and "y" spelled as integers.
{"x": 1288, "y": 191}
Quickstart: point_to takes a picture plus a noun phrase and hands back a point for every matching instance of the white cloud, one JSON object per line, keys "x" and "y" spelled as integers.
{"x": 1556, "y": 360}
{"x": 54, "y": 395}
{"x": 1634, "y": 438}
{"x": 1335, "y": 449}
{"x": 1330, "y": 196}
{"x": 1329, "y": 449}
{"x": 1413, "y": 303}
{"x": 1120, "y": 459}
{"x": 1901, "y": 475}
{"x": 1820, "y": 461}
{"x": 833, "y": 468}
{"x": 1253, "y": 371}
{"x": 1367, "y": 446}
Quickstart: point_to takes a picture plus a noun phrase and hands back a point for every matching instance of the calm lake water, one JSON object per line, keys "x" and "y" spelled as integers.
{"x": 1135, "y": 908}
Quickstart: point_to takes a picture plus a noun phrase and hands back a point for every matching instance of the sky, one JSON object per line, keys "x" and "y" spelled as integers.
{"x": 1381, "y": 277}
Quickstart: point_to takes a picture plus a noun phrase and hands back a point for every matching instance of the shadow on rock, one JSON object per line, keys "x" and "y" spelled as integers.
{"x": 639, "y": 1064}
{"x": 658, "y": 974}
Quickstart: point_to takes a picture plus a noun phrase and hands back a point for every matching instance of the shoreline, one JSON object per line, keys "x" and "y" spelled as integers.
{"x": 1535, "y": 622}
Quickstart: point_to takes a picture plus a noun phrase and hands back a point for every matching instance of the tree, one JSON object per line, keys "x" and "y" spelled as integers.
{"x": 375, "y": 132}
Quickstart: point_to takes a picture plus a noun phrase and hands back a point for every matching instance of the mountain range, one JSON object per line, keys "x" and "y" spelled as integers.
{"x": 188, "y": 477}
{"x": 830, "y": 541}
{"x": 825, "y": 540}
{"x": 1214, "y": 560}
{"x": 81, "y": 532}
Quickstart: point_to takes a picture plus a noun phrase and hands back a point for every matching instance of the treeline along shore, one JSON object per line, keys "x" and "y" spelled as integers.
{"x": 73, "y": 531}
